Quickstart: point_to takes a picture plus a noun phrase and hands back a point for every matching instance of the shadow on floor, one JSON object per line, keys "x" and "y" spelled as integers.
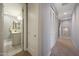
{"x": 23, "y": 53}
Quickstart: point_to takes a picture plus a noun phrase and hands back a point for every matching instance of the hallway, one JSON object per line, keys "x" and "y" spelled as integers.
{"x": 64, "y": 47}
{"x": 39, "y": 29}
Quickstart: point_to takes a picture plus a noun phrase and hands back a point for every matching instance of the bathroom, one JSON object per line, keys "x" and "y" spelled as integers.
{"x": 12, "y": 15}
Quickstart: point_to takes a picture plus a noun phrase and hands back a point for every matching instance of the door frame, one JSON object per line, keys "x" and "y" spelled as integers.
{"x": 24, "y": 41}
{"x": 24, "y": 31}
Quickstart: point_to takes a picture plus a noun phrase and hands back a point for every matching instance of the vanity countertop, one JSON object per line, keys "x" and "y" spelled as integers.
{"x": 14, "y": 32}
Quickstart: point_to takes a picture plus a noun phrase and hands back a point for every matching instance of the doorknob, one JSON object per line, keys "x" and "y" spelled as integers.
{"x": 34, "y": 35}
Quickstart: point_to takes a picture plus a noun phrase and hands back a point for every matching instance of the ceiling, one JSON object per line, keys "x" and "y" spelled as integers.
{"x": 64, "y": 10}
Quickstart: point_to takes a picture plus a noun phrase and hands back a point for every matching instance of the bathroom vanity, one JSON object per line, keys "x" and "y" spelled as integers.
{"x": 15, "y": 32}
{"x": 16, "y": 38}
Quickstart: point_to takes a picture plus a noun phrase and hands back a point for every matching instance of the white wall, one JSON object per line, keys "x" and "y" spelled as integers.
{"x": 8, "y": 20}
{"x": 53, "y": 27}
{"x": 11, "y": 12}
{"x": 48, "y": 25}
{"x": 45, "y": 19}
{"x": 75, "y": 27}
{"x": 13, "y": 9}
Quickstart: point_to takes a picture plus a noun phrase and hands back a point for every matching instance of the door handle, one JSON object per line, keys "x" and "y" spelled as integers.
{"x": 34, "y": 35}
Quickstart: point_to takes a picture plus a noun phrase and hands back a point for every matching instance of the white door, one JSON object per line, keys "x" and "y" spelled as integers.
{"x": 33, "y": 29}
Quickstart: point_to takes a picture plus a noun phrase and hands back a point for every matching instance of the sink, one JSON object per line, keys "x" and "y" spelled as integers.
{"x": 14, "y": 32}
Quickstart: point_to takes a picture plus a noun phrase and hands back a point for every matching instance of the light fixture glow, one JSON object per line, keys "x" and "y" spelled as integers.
{"x": 19, "y": 18}
{"x": 65, "y": 13}
{"x": 65, "y": 29}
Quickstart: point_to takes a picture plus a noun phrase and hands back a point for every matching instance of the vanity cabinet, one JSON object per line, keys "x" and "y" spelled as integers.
{"x": 16, "y": 38}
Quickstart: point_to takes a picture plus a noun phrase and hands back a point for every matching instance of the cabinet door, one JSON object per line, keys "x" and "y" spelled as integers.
{"x": 33, "y": 29}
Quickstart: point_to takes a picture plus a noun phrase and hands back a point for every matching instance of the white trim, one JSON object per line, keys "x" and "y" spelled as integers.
{"x": 25, "y": 27}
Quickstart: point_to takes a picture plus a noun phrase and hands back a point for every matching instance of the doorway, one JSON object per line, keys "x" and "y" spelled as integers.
{"x": 13, "y": 28}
